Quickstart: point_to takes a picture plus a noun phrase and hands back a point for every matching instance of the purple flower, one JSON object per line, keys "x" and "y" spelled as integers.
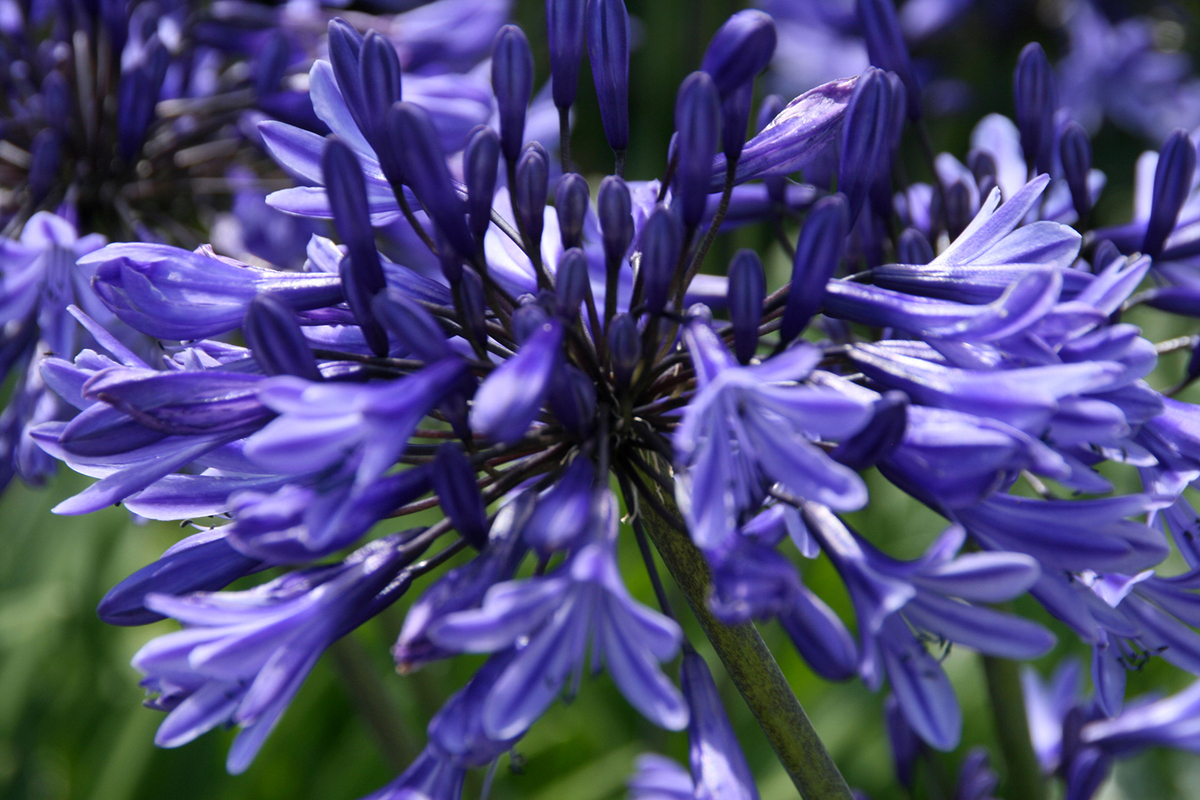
{"x": 750, "y": 427}
{"x": 170, "y": 293}
{"x": 243, "y": 655}
{"x": 583, "y": 601}
{"x": 320, "y": 424}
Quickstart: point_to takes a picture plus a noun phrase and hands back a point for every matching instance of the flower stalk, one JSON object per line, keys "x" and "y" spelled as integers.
{"x": 1021, "y": 771}
{"x": 749, "y": 663}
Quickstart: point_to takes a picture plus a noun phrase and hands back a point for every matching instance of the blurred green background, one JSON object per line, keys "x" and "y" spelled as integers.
{"x": 71, "y": 723}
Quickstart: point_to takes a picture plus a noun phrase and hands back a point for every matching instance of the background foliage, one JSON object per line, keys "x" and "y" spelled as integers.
{"x": 71, "y": 723}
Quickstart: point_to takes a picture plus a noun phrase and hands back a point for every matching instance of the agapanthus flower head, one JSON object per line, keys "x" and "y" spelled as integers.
{"x": 550, "y": 368}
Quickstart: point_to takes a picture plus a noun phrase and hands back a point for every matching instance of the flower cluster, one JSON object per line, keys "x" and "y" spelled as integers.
{"x": 534, "y": 351}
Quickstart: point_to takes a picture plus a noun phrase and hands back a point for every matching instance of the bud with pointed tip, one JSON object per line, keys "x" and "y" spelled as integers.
{"x": 424, "y": 163}
{"x": 512, "y": 82}
{"x": 739, "y": 50}
{"x": 1035, "y": 95}
{"x": 276, "y": 341}
{"x": 615, "y": 209}
{"x": 572, "y": 398}
{"x": 564, "y": 36}
{"x": 608, "y": 51}
{"x": 662, "y": 239}
{"x": 345, "y": 46}
{"x": 1075, "y": 152}
{"x": 624, "y": 347}
{"x": 362, "y": 273}
{"x": 698, "y": 122}
{"x": 819, "y": 250}
{"x": 453, "y": 480}
{"x": 480, "y": 161}
{"x": 886, "y": 48}
{"x": 571, "y": 203}
{"x": 413, "y": 326}
{"x": 747, "y": 291}
{"x": 379, "y": 79}
{"x": 735, "y": 116}
{"x": 571, "y": 283}
{"x": 1172, "y": 182}
{"x": 865, "y": 137}
{"x": 529, "y": 194}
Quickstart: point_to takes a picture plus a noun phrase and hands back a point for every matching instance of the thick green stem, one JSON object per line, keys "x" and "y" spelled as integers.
{"x": 751, "y": 666}
{"x": 1022, "y": 774}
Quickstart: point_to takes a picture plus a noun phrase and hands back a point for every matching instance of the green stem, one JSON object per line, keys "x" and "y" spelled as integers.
{"x": 1022, "y": 774}
{"x": 750, "y": 665}
{"x": 360, "y": 678}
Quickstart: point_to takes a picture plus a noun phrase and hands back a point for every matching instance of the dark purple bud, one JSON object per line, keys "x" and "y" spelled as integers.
{"x": 624, "y": 347}
{"x": 413, "y": 326}
{"x": 45, "y": 158}
{"x": 747, "y": 291}
{"x": 1172, "y": 182}
{"x": 276, "y": 341}
{"x": 571, "y": 283}
{"x": 527, "y": 319}
{"x": 615, "y": 209}
{"x": 1036, "y": 98}
{"x": 865, "y": 137}
{"x": 1104, "y": 254}
{"x": 270, "y": 63}
{"x": 958, "y": 208}
{"x": 362, "y": 274}
{"x": 771, "y": 106}
{"x": 608, "y": 51}
{"x": 379, "y": 79}
{"x": 345, "y": 46}
{"x": 1075, "y": 151}
{"x": 819, "y": 250}
{"x": 480, "y": 159}
{"x": 420, "y": 150}
{"x": 453, "y": 480}
{"x": 913, "y": 247}
{"x": 56, "y": 95}
{"x": 739, "y": 50}
{"x": 562, "y": 514}
{"x": 203, "y": 562}
{"x": 359, "y": 297}
{"x": 137, "y": 95}
{"x": 698, "y": 122}
{"x": 874, "y": 442}
{"x": 512, "y": 83}
{"x": 886, "y": 47}
{"x": 469, "y": 299}
{"x": 662, "y": 239}
{"x": 735, "y": 116}
{"x": 532, "y": 186}
{"x": 564, "y": 34}
{"x": 572, "y": 398}
{"x": 571, "y": 202}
